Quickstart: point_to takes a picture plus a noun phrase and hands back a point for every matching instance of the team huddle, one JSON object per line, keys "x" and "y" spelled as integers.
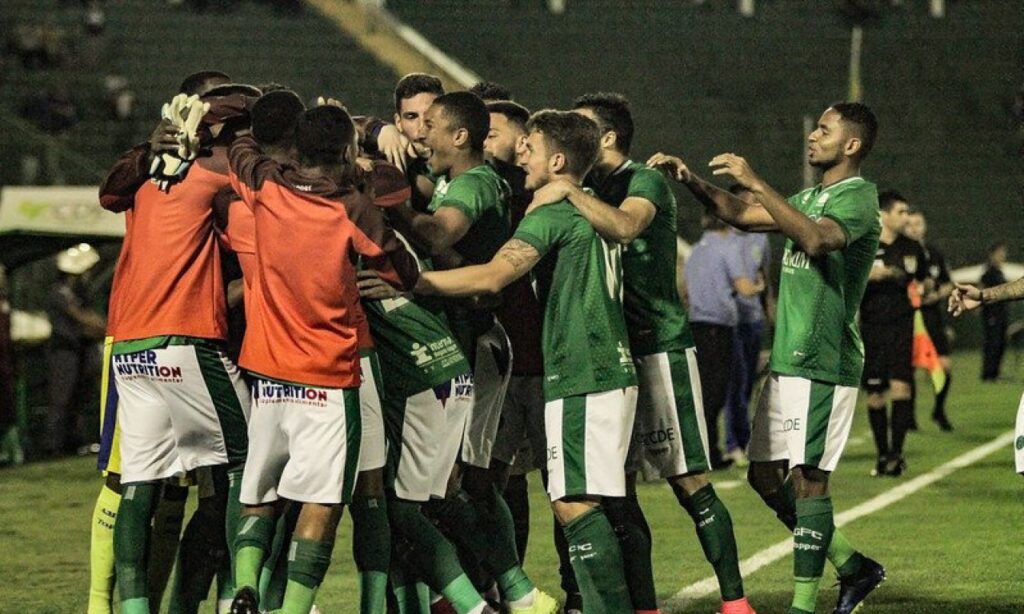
{"x": 315, "y": 311}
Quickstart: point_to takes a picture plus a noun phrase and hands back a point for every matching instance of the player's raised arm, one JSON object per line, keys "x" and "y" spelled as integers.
{"x": 720, "y": 203}
{"x": 966, "y": 297}
{"x": 512, "y": 261}
{"x": 815, "y": 238}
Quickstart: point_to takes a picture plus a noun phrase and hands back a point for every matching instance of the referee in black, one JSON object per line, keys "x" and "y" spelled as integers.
{"x": 933, "y": 306}
{"x": 887, "y": 326}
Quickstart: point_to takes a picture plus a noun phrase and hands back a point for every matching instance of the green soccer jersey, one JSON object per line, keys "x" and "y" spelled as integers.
{"x": 482, "y": 196}
{"x": 584, "y": 339}
{"x": 655, "y": 317}
{"x": 816, "y": 334}
{"x": 416, "y": 348}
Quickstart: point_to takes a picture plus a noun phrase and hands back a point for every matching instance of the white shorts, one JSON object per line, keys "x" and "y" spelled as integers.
{"x": 372, "y": 449}
{"x": 670, "y": 436}
{"x": 420, "y": 456}
{"x": 588, "y": 439}
{"x": 181, "y": 407}
{"x": 521, "y": 432}
{"x": 491, "y": 373}
{"x": 806, "y": 422}
{"x": 1018, "y": 442}
{"x": 303, "y": 444}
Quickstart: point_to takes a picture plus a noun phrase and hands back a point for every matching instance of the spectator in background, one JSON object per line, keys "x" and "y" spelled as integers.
{"x": 94, "y": 18}
{"x": 755, "y": 254}
{"x": 73, "y": 352}
{"x": 52, "y": 110}
{"x": 994, "y": 316}
{"x": 715, "y": 275}
{"x": 10, "y": 447}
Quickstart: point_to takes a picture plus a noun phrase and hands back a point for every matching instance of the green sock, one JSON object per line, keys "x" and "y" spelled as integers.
{"x": 253, "y": 542}
{"x": 597, "y": 561}
{"x": 274, "y": 575}
{"x": 371, "y": 549}
{"x": 634, "y": 536}
{"x": 841, "y": 553}
{"x": 307, "y": 565}
{"x": 813, "y": 532}
{"x": 432, "y": 556}
{"x": 714, "y": 530}
{"x": 230, "y": 477}
{"x": 164, "y": 540}
{"x": 131, "y": 545}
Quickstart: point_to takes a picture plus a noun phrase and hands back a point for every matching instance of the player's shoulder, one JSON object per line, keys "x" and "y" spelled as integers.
{"x": 856, "y": 188}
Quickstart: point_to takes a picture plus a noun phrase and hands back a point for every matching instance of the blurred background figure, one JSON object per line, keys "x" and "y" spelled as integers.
{"x": 994, "y": 316}
{"x": 755, "y": 254}
{"x": 10, "y": 448}
{"x": 73, "y": 355}
{"x": 715, "y": 276}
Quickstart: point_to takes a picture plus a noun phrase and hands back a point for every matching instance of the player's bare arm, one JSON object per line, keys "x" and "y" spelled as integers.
{"x": 815, "y": 238}
{"x": 717, "y": 201}
{"x": 966, "y": 297}
{"x": 436, "y": 232}
{"x": 619, "y": 224}
{"x": 744, "y": 286}
{"x": 512, "y": 261}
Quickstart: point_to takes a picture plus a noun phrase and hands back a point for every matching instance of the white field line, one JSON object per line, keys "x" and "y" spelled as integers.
{"x": 784, "y": 548}
{"x": 442, "y": 60}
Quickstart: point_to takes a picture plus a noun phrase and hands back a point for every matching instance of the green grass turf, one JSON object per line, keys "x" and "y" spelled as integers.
{"x": 954, "y": 547}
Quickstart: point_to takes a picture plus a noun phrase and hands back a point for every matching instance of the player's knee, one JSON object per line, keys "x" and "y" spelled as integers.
{"x": 809, "y": 481}
{"x": 567, "y": 510}
{"x": 765, "y": 478}
{"x": 370, "y": 483}
{"x": 684, "y": 486}
{"x": 899, "y": 390}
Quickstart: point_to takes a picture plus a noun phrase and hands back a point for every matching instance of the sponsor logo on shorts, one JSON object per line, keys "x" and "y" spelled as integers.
{"x": 459, "y": 387}
{"x": 146, "y": 364}
{"x": 791, "y": 424}
{"x": 657, "y": 437}
{"x": 553, "y": 453}
{"x": 439, "y": 354}
{"x": 276, "y": 392}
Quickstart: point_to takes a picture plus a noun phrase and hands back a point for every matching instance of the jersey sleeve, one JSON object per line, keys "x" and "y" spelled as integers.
{"x": 650, "y": 185}
{"x": 855, "y": 210}
{"x": 379, "y": 244}
{"x": 248, "y": 168}
{"x": 468, "y": 195}
{"x": 117, "y": 193}
{"x": 543, "y": 229}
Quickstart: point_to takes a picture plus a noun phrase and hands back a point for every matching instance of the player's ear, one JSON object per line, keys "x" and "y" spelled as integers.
{"x": 461, "y": 137}
{"x": 609, "y": 139}
{"x": 853, "y": 146}
{"x": 556, "y": 163}
{"x": 398, "y": 123}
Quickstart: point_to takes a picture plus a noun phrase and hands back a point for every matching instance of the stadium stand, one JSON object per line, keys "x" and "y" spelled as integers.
{"x": 948, "y": 131}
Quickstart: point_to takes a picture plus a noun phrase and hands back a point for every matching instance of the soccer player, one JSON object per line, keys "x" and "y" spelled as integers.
{"x": 887, "y": 327}
{"x": 301, "y": 346}
{"x": 101, "y": 550}
{"x": 803, "y": 418}
{"x": 633, "y": 206}
{"x": 932, "y": 303}
{"x": 182, "y": 402}
{"x": 489, "y": 91}
{"x": 414, "y": 94}
{"x": 590, "y": 381}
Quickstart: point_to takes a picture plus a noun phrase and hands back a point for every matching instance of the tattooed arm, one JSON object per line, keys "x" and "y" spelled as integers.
{"x": 966, "y": 297}
{"x": 512, "y": 261}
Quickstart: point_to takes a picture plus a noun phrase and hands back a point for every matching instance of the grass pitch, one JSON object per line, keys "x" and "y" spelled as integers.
{"x": 953, "y": 547}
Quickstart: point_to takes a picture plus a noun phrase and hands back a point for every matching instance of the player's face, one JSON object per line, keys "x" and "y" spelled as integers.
{"x": 536, "y": 161}
{"x": 437, "y": 137}
{"x": 502, "y": 139}
{"x": 410, "y": 117}
{"x": 895, "y": 219}
{"x": 915, "y": 227}
{"x": 825, "y": 146}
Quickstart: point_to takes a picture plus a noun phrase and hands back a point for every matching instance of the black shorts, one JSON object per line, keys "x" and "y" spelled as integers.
{"x": 936, "y": 325}
{"x": 888, "y": 352}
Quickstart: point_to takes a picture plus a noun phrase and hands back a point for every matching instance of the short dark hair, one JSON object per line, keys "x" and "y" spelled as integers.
{"x": 275, "y": 117}
{"x": 466, "y": 110}
{"x": 569, "y": 133}
{"x": 227, "y": 89}
{"x": 322, "y": 134}
{"x": 888, "y": 198}
{"x": 417, "y": 83}
{"x": 863, "y": 121}
{"x": 193, "y": 83}
{"x": 613, "y": 115}
{"x": 513, "y": 111}
{"x": 271, "y": 86}
{"x": 489, "y": 90}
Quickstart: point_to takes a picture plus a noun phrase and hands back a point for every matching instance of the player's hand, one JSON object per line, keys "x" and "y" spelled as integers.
{"x": 738, "y": 168}
{"x": 365, "y": 164}
{"x": 322, "y": 101}
{"x": 164, "y": 138}
{"x": 372, "y": 287}
{"x": 396, "y": 147}
{"x": 671, "y": 165}
{"x": 552, "y": 193}
{"x": 964, "y": 298}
